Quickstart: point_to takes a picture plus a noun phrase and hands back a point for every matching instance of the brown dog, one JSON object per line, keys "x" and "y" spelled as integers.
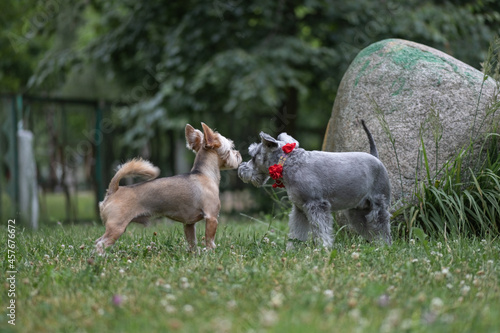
{"x": 186, "y": 198}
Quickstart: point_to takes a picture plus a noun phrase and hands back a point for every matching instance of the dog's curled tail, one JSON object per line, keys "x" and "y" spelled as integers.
{"x": 373, "y": 147}
{"x": 136, "y": 167}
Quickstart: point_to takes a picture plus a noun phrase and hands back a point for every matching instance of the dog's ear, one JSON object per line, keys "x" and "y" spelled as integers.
{"x": 194, "y": 138}
{"x": 211, "y": 138}
{"x": 252, "y": 150}
{"x": 288, "y": 139}
{"x": 268, "y": 141}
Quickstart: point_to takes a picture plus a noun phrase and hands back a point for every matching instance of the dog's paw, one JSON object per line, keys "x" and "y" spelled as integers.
{"x": 99, "y": 247}
{"x": 193, "y": 249}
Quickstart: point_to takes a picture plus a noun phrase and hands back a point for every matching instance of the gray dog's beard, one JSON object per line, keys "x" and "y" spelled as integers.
{"x": 244, "y": 172}
{"x": 256, "y": 170}
{"x": 249, "y": 174}
{"x": 259, "y": 180}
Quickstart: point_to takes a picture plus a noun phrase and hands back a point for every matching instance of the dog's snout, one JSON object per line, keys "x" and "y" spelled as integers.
{"x": 240, "y": 169}
{"x": 242, "y": 172}
{"x": 238, "y": 157}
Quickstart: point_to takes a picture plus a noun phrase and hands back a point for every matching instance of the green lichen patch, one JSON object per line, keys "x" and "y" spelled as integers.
{"x": 407, "y": 57}
{"x": 369, "y": 50}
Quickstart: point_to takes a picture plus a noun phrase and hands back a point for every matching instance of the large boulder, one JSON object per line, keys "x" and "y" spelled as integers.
{"x": 405, "y": 91}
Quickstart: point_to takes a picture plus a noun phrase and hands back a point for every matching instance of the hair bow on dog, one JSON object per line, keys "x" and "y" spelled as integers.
{"x": 276, "y": 170}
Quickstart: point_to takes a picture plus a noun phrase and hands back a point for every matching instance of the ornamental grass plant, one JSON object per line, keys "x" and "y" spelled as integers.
{"x": 462, "y": 197}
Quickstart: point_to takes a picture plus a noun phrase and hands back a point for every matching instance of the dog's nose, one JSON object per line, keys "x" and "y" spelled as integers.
{"x": 240, "y": 170}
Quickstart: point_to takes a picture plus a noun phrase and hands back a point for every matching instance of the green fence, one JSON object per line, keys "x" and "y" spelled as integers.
{"x": 68, "y": 153}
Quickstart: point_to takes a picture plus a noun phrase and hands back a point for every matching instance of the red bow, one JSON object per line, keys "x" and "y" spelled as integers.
{"x": 288, "y": 148}
{"x": 276, "y": 170}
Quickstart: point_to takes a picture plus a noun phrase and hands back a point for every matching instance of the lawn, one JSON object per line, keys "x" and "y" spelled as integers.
{"x": 148, "y": 282}
{"x": 53, "y": 207}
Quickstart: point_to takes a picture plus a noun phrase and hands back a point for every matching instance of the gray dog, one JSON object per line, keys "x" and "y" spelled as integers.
{"x": 319, "y": 182}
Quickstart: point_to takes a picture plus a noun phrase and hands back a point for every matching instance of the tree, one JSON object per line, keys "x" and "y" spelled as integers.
{"x": 20, "y": 44}
{"x": 248, "y": 61}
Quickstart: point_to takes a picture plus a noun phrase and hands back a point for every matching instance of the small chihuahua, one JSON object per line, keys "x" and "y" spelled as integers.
{"x": 186, "y": 198}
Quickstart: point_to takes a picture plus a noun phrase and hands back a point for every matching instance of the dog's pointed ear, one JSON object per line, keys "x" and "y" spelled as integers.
{"x": 268, "y": 141}
{"x": 194, "y": 138}
{"x": 288, "y": 139}
{"x": 211, "y": 138}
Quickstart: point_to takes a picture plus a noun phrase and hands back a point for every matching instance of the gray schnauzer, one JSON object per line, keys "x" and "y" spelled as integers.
{"x": 319, "y": 182}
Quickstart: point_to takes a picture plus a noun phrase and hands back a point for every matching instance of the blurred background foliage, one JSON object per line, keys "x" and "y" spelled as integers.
{"x": 240, "y": 66}
{"x": 230, "y": 60}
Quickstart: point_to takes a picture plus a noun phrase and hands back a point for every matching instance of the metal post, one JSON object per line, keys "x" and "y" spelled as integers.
{"x": 17, "y": 106}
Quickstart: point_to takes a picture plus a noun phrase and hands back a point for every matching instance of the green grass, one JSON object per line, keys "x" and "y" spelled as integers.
{"x": 460, "y": 200}
{"x": 5, "y": 208}
{"x": 53, "y": 207}
{"x": 148, "y": 282}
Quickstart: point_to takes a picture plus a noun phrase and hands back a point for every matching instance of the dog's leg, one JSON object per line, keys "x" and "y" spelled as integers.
{"x": 357, "y": 221}
{"x": 384, "y": 218}
{"x": 190, "y": 232}
{"x": 320, "y": 216}
{"x": 210, "y": 229}
{"x": 371, "y": 223}
{"x": 114, "y": 230}
{"x": 299, "y": 227}
{"x": 379, "y": 220}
